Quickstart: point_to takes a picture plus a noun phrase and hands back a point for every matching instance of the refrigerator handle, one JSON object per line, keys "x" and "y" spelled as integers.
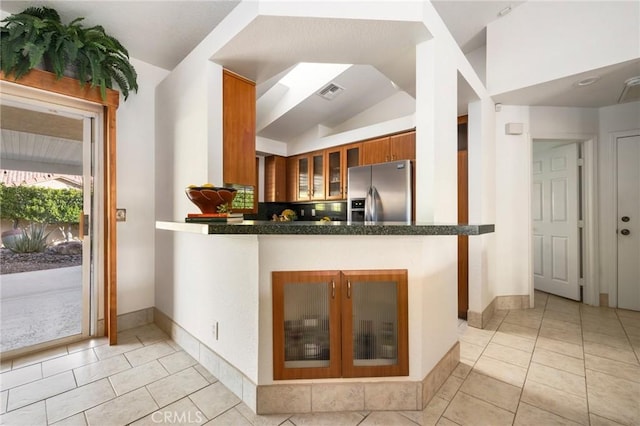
{"x": 375, "y": 201}
{"x": 368, "y": 203}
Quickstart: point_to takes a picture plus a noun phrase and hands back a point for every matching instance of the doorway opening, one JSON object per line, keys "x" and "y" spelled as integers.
{"x": 49, "y": 160}
{"x": 558, "y": 215}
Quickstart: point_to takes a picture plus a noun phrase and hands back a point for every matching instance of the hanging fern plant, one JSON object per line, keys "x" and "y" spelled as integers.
{"x": 37, "y": 37}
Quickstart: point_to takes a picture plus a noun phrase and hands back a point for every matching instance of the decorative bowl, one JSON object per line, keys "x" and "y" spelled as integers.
{"x": 209, "y": 198}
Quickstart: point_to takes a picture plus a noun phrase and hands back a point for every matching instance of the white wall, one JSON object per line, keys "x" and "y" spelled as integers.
{"x": 189, "y": 150}
{"x": 563, "y": 122}
{"x": 478, "y": 60}
{"x": 189, "y": 120}
{"x": 611, "y": 120}
{"x": 482, "y": 202}
{"x": 312, "y": 141}
{"x": 212, "y": 278}
{"x": 541, "y": 41}
{"x": 135, "y": 191}
{"x": 513, "y": 200}
{"x": 398, "y": 105}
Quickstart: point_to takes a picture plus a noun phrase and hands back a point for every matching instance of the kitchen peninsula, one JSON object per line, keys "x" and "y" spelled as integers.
{"x": 225, "y": 278}
{"x": 260, "y": 227}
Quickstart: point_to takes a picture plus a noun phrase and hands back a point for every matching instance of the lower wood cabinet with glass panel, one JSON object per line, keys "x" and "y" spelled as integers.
{"x": 340, "y": 324}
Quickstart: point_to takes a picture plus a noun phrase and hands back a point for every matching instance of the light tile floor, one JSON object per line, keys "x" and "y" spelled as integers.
{"x": 561, "y": 363}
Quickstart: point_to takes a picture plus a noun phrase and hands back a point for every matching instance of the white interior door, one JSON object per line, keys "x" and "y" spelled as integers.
{"x": 629, "y": 223}
{"x": 555, "y": 221}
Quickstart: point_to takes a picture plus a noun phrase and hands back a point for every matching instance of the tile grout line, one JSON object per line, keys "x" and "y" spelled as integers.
{"x": 530, "y": 358}
{"x": 627, "y": 336}
{"x": 586, "y": 393}
{"x": 534, "y": 348}
{"x": 467, "y": 376}
{"x": 584, "y": 357}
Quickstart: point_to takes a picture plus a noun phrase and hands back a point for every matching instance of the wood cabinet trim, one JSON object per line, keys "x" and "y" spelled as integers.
{"x": 279, "y": 279}
{"x": 275, "y": 178}
{"x": 402, "y": 367}
{"x": 341, "y": 329}
{"x": 239, "y": 129}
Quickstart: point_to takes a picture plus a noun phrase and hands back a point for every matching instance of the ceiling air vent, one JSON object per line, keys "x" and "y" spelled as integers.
{"x": 631, "y": 90}
{"x": 330, "y": 91}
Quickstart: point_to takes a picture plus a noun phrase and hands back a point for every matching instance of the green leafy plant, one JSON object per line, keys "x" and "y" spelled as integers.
{"x": 35, "y": 204}
{"x": 37, "y": 36}
{"x": 32, "y": 240}
{"x": 27, "y": 38}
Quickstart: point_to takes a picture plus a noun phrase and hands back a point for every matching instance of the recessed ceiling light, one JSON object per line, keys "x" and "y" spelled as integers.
{"x": 504, "y": 11}
{"x": 587, "y": 81}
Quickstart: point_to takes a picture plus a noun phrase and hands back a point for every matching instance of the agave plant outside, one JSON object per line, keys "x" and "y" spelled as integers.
{"x": 37, "y": 36}
{"x": 32, "y": 240}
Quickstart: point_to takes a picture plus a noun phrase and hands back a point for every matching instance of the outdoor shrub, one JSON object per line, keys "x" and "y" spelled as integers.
{"x": 32, "y": 240}
{"x": 36, "y": 204}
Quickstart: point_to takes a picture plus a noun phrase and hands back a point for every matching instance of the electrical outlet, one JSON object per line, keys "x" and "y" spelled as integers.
{"x": 313, "y": 212}
{"x": 301, "y": 212}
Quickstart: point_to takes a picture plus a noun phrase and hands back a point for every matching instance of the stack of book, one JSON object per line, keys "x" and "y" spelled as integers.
{"x": 214, "y": 217}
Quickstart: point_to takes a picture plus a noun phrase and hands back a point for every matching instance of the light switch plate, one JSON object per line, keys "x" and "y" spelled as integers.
{"x": 121, "y": 215}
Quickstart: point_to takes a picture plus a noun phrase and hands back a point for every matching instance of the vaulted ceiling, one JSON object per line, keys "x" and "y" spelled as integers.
{"x": 162, "y": 33}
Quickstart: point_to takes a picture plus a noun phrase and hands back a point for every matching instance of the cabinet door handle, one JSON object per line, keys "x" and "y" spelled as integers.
{"x": 348, "y": 289}
{"x": 333, "y": 289}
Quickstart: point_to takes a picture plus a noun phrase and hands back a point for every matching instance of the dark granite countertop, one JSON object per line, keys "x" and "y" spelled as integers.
{"x": 345, "y": 228}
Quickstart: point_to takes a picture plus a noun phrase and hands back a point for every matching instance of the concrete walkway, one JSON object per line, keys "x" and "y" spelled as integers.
{"x": 39, "y": 306}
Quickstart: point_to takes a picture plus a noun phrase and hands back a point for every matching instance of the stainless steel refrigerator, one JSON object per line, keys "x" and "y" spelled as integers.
{"x": 379, "y": 192}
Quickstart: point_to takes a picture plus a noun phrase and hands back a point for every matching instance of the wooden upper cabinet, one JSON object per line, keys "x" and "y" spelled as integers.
{"x": 375, "y": 151}
{"x": 323, "y": 175}
{"x": 389, "y": 148}
{"x": 338, "y": 161}
{"x": 334, "y": 173}
{"x": 292, "y": 179}
{"x": 239, "y": 129}
{"x": 403, "y": 146}
{"x": 317, "y": 162}
{"x": 275, "y": 179}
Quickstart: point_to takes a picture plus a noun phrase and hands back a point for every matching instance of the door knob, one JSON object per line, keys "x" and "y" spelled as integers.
{"x": 625, "y": 232}
{"x": 625, "y": 218}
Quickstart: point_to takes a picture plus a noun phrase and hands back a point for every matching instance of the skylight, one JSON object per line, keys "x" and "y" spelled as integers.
{"x": 306, "y": 73}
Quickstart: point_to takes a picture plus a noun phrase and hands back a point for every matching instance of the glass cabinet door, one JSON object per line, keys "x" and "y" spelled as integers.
{"x": 317, "y": 192}
{"x": 375, "y": 326}
{"x": 305, "y": 319}
{"x": 340, "y": 324}
{"x": 353, "y": 156}
{"x": 352, "y": 159}
{"x": 375, "y": 340}
{"x": 303, "y": 179}
{"x": 306, "y": 325}
{"x": 334, "y": 174}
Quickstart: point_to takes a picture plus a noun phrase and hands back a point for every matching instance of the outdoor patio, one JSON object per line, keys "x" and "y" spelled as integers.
{"x": 39, "y": 306}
